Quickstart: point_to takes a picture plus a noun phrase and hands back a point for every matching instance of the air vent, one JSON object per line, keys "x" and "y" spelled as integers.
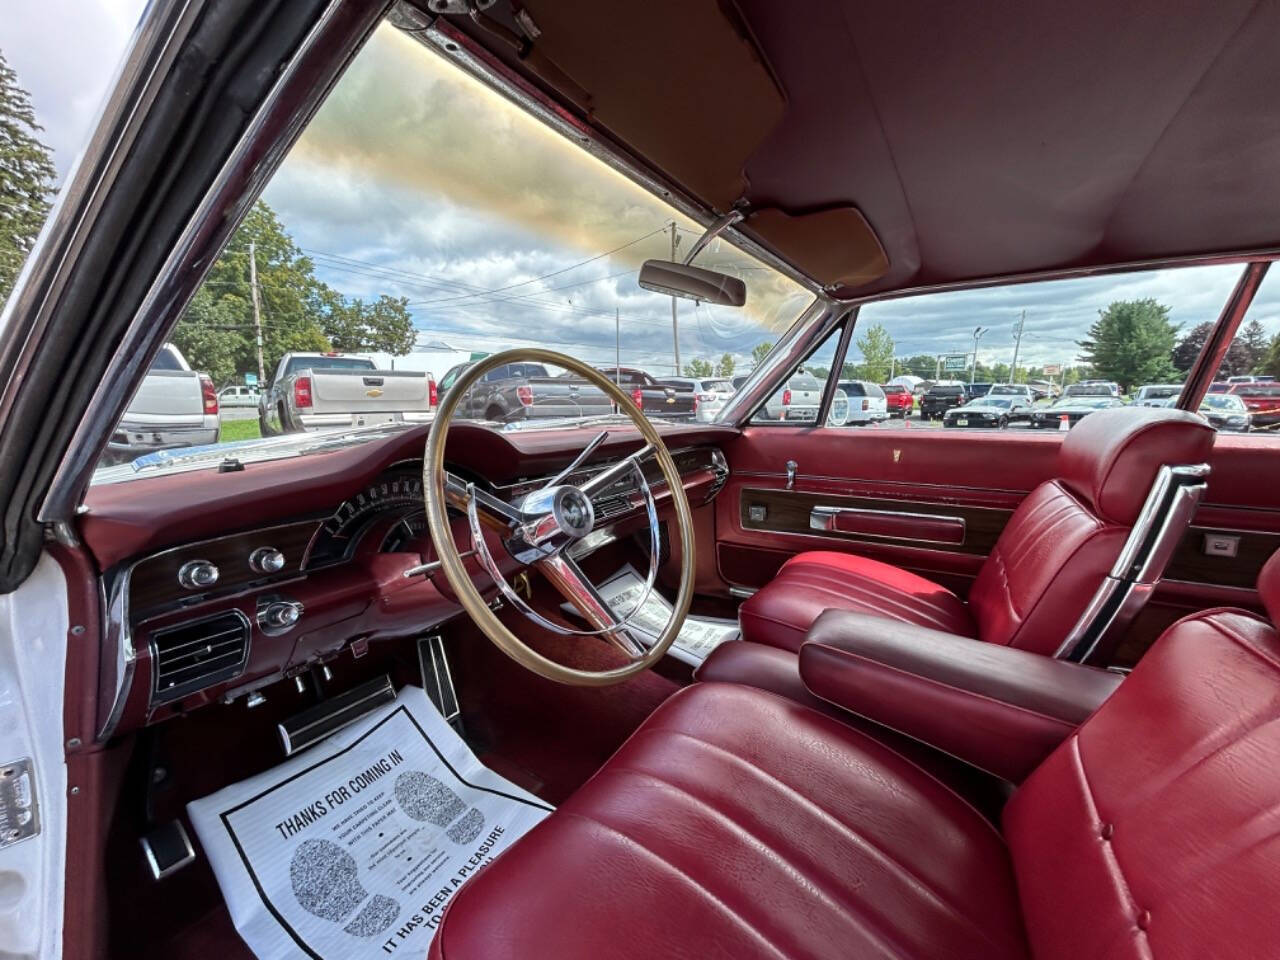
{"x": 198, "y": 654}
{"x": 609, "y": 508}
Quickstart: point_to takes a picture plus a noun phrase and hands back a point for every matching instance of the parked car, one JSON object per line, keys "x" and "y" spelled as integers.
{"x": 1149, "y": 394}
{"x": 709, "y": 395}
{"x": 238, "y": 395}
{"x": 1013, "y": 390}
{"x": 867, "y": 401}
{"x": 1043, "y": 388}
{"x": 1219, "y": 386}
{"x": 798, "y": 400}
{"x": 1226, "y": 411}
{"x": 656, "y": 400}
{"x": 314, "y": 391}
{"x": 1263, "y": 401}
{"x": 1074, "y": 408}
{"x": 989, "y": 411}
{"x": 174, "y": 407}
{"x": 526, "y": 391}
{"x": 972, "y": 390}
{"x": 899, "y": 400}
{"x": 1092, "y": 388}
{"x": 940, "y": 398}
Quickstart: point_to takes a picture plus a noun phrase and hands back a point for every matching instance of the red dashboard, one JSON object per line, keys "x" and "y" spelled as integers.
{"x": 219, "y": 583}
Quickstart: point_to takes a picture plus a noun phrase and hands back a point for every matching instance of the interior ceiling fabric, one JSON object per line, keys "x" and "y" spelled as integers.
{"x": 977, "y": 140}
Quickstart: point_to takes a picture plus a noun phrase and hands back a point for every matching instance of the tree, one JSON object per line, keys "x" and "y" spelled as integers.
{"x": 27, "y": 177}
{"x": 1131, "y": 343}
{"x": 760, "y": 351}
{"x": 698, "y": 368}
{"x": 877, "y": 353}
{"x": 1254, "y": 339}
{"x": 725, "y": 367}
{"x": 1271, "y": 363}
{"x": 216, "y": 333}
{"x": 1238, "y": 360}
{"x": 354, "y": 326}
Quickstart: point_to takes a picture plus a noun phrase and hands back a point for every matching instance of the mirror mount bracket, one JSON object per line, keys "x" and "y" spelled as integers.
{"x": 717, "y": 227}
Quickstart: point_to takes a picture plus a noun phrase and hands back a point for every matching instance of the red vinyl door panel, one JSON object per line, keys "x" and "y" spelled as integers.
{"x": 931, "y": 501}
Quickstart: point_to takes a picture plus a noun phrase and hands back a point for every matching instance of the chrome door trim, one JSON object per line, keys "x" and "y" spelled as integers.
{"x": 822, "y": 518}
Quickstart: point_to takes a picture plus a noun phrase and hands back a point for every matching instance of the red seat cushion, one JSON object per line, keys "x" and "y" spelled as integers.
{"x": 1154, "y": 831}
{"x": 736, "y": 823}
{"x": 810, "y": 583}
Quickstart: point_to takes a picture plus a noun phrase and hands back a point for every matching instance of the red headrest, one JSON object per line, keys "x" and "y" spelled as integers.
{"x": 1269, "y": 588}
{"x": 1110, "y": 458}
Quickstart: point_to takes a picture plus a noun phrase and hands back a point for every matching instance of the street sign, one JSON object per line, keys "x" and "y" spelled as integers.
{"x": 956, "y": 361}
{"x": 1052, "y": 369}
{"x": 250, "y": 379}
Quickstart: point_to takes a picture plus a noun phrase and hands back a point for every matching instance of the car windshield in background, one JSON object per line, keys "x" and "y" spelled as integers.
{"x": 1223, "y": 401}
{"x": 1256, "y": 390}
{"x": 382, "y": 261}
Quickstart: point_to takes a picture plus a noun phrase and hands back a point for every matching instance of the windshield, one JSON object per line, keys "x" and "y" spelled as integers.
{"x": 423, "y": 222}
{"x": 1223, "y": 401}
{"x": 1002, "y": 402}
{"x": 1256, "y": 390}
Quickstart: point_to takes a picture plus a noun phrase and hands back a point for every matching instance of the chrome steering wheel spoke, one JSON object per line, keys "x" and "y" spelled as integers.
{"x": 568, "y": 578}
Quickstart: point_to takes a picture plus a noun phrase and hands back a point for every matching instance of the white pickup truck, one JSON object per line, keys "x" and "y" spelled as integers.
{"x": 174, "y": 407}
{"x": 317, "y": 391}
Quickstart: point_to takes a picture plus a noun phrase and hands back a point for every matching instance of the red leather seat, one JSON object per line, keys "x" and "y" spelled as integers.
{"x": 736, "y": 823}
{"x": 1046, "y": 566}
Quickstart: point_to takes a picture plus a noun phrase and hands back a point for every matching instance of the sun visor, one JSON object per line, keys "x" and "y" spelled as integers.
{"x": 680, "y": 82}
{"x": 835, "y": 246}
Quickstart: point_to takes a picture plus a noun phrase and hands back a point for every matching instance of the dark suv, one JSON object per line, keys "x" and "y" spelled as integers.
{"x": 940, "y": 398}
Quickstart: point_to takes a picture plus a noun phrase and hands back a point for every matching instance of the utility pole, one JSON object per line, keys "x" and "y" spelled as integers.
{"x": 973, "y": 370}
{"x": 675, "y": 323}
{"x": 257, "y": 310}
{"x": 1017, "y": 345}
{"x": 617, "y": 347}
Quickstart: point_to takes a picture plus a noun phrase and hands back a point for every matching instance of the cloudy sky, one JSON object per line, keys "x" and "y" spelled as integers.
{"x": 417, "y": 181}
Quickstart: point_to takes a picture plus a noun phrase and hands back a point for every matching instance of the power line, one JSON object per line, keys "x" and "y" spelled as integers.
{"x": 574, "y": 266}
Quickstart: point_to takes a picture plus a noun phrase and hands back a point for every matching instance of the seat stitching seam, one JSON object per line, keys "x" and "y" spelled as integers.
{"x": 935, "y": 613}
{"x": 728, "y": 911}
{"x": 982, "y": 821}
{"x": 772, "y": 850}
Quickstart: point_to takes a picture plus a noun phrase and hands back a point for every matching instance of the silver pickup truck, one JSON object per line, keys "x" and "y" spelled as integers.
{"x": 174, "y": 407}
{"x": 317, "y": 391}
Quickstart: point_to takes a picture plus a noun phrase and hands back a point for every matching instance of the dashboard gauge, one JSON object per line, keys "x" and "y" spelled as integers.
{"x": 397, "y": 491}
{"x": 408, "y": 530}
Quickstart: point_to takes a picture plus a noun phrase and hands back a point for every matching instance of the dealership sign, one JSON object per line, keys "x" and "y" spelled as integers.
{"x": 955, "y": 361}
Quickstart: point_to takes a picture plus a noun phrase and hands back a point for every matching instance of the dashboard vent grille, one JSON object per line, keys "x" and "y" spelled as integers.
{"x": 607, "y": 508}
{"x": 195, "y": 655}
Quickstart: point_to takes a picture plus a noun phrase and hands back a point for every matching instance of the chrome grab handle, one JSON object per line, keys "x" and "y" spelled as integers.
{"x": 791, "y": 474}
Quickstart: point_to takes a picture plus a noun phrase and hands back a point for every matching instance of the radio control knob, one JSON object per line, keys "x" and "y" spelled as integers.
{"x": 197, "y": 575}
{"x": 266, "y": 560}
{"x": 279, "y": 615}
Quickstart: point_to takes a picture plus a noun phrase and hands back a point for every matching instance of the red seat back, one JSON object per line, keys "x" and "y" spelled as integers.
{"x": 1066, "y": 535}
{"x": 1154, "y": 831}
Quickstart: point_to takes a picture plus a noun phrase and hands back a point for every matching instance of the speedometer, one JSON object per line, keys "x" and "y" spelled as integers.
{"x": 397, "y": 491}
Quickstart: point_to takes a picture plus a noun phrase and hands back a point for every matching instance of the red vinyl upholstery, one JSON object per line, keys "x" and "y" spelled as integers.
{"x": 1154, "y": 831}
{"x": 810, "y": 583}
{"x": 736, "y": 823}
{"x": 1047, "y": 564}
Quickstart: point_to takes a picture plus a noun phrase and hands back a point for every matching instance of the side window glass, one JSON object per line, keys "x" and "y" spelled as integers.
{"x": 797, "y": 401}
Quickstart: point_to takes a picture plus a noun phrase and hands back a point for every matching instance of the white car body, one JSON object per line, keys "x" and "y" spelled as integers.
{"x": 237, "y": 396}
{"x": 174, "y": 407}
{"x": 710, "y": 394}
{"x": 867, "y": 403}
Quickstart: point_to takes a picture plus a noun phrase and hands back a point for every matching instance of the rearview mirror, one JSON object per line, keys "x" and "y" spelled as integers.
{"x": 692, "y": 283}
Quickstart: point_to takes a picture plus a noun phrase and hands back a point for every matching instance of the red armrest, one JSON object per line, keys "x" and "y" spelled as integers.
{"x": 1000, "y": 709}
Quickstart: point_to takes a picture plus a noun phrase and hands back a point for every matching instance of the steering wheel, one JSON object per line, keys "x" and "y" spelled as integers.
{"x": 540, "y": 528}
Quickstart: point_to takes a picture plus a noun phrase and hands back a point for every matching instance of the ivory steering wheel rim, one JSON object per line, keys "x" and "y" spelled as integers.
{"x": 451, "y": 561}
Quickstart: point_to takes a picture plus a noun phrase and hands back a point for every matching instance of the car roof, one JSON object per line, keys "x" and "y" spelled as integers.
{"x": 930, "y": 95}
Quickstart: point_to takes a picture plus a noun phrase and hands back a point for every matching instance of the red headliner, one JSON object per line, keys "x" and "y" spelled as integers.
{"x": 984, "y": 140}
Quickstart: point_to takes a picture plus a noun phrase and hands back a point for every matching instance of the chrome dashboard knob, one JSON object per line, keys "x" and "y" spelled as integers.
{"x": 279, "y": 615}
{"x": 266, "y": 560}
{"x": 197, "y": 575}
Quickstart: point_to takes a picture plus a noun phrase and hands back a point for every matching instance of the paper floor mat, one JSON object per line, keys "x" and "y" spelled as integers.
{"x": 353, "y": 848}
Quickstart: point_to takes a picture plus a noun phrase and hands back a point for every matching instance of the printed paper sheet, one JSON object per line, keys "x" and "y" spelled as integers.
{"x": 353, "y": 848}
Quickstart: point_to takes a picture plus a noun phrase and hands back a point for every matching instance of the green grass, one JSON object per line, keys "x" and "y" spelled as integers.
{"x": 233, "y": 430}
